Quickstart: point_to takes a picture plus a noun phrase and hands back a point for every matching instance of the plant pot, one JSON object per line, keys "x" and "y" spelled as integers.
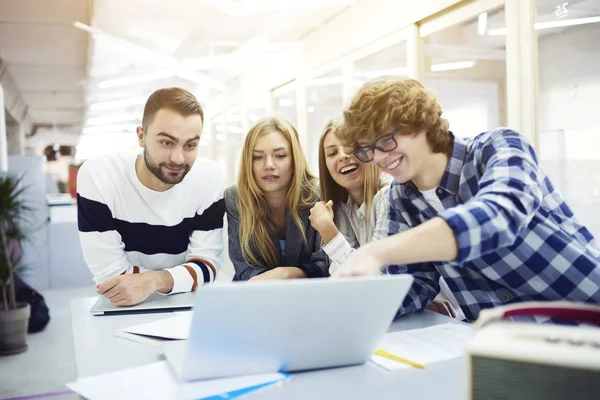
{"x": 13, "y": 329}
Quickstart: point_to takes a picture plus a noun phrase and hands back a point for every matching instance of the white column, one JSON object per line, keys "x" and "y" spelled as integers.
{"x": 414, "y": 53}
{"x": 302, "y": 111}
{"x": 3, "y": 141}
{"x": 15, "y": 138}
{"x": 529, "y": 72}
{"x": 348, "y": 78}
{"x": 522, "y": 68}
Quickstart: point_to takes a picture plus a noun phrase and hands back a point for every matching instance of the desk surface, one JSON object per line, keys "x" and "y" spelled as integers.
{"x": 99, "y": 350}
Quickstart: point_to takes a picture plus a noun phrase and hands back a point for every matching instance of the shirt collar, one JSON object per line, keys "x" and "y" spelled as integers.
{"x": 352, "y": 207}
{"x": 451, "y": 177}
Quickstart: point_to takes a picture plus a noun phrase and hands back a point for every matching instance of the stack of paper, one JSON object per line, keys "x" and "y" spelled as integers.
{"x": 156, "y": 332}
{"x": 424, "y": 346}
{"x": 157, "y": 381}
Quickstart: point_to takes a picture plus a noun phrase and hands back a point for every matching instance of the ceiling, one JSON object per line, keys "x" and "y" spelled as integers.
{"x": 46, "y": 57}
{"x": 66, "y": 74}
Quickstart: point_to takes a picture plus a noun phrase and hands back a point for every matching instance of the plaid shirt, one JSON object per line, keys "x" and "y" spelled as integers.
{"x": 517, "y": 239}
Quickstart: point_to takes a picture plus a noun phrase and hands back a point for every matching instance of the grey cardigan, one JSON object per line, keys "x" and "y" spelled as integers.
{"x": 305, "y": 255}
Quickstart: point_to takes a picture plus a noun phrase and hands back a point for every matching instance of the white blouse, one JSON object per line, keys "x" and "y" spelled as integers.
{"x": 354, "y": 231}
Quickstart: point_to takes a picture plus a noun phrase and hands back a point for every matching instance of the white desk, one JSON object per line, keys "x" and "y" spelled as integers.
{"x": 98, "y": 350}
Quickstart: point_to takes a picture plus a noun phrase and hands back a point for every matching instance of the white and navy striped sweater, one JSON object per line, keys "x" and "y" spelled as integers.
{"x": 125, "y": 227}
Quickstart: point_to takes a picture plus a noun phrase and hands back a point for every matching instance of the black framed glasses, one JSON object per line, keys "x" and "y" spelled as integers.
{"x": 385, "y": 143}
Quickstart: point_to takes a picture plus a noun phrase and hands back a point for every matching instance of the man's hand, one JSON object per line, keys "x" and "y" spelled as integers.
{"x": 280, "y": 273}
{"x": 129, "y": 290}
{"x": 359, "y": 263}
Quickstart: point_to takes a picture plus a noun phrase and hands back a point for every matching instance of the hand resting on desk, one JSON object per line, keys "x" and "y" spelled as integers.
{"x": 280, "y": 273}
{"x": 132, "y": 289}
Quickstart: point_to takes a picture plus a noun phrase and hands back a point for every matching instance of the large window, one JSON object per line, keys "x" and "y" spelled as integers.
{"x": 389, "y": 61}
{"x": 324, "y": 99}
{"x": 284, "y": 102}
{"x": 465, "y": 66}
{"x": 569, "y": 82}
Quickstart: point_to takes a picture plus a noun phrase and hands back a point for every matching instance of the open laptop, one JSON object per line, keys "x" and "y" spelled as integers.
{"x": 287, "y": 325}
{"x": 154, "y": 303}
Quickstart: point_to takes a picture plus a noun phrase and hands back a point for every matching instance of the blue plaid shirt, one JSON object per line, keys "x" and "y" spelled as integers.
{"x": 517, "y": 239}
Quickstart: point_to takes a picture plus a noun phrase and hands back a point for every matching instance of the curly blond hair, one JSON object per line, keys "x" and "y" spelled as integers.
{"x": 387, "y": 103}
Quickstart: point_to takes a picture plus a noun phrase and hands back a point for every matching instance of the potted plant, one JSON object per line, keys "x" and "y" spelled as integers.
{"x": 14, "y": 214}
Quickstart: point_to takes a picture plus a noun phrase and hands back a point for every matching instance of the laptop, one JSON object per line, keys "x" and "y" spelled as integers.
{"x": 154, "y": 303}
{"x": 288, "y": 325}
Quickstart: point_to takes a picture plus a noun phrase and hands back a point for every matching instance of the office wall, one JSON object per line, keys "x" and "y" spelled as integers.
{"x": 3, "y": 142}
{"x": 35, "y": 248}
{"x": 569, "y": 117}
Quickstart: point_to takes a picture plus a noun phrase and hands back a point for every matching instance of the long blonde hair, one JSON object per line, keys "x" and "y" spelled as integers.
{"x": 256, "y": 229}
{"x": 331, "y": 190}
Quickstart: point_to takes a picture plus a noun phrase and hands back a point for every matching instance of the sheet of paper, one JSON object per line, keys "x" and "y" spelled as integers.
{"x": 157, "y": 381}
{"x": 425, "y": 346}
{"x": 177, "y": 327}
{"x": 151, "y": 341}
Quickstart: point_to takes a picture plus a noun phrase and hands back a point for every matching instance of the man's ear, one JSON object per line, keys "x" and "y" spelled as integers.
{"x": 139, "y": 131}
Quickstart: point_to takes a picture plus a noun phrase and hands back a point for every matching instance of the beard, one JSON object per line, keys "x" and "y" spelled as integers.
{"x": 157, "y": 170}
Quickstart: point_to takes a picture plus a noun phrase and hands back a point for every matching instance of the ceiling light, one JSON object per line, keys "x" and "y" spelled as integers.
{"x": 482, "y": 23}
{"x": 128, "y": 80}
{"x": 452, "y": 66}
{"x": 234, "y": 117}
{"x": 333, "y": 80}
{"x": 382, "y": 72}
{"x": 551, "y": 24}
{"x": 165, "y": 60}
{"x": 235, "y": 129}
{"x": 310, "y": 109}
{"x": 102, "y": 129}
{"x": 107, "y": 105}
{"x": 229, "y": 128}
{"x": 112, "y": 119}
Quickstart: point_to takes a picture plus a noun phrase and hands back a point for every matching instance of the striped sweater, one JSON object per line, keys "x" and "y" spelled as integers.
{"x": 125, "y": 227}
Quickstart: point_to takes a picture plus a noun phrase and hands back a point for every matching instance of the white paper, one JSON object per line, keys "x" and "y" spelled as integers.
{"x": 177, "y": 327}
{"x": 157, "y": 381}
{"x": 424, "y": 346}
{"x": 151, "y": 341}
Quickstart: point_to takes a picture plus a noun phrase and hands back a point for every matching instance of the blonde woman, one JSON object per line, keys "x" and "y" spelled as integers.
{"x": 358, "y": 193}
{"x": 270, "y": 236}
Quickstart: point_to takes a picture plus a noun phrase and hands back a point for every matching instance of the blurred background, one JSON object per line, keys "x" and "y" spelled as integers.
{"x": 75, "y": 74}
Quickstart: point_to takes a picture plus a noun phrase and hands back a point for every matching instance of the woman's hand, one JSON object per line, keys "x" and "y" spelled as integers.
{"x": 280, "y": 273}
{"x": 321, "y": 218}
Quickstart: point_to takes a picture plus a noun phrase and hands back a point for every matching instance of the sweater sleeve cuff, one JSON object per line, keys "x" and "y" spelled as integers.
{"x": 182, "y": 279}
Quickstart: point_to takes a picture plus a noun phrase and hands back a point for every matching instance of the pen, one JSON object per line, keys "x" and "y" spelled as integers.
{"x": 383, "y": 353}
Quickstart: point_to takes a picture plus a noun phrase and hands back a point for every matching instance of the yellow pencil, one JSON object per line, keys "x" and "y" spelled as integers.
{"x": 383, "y": 353}
{"x": 329, "y": 203}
